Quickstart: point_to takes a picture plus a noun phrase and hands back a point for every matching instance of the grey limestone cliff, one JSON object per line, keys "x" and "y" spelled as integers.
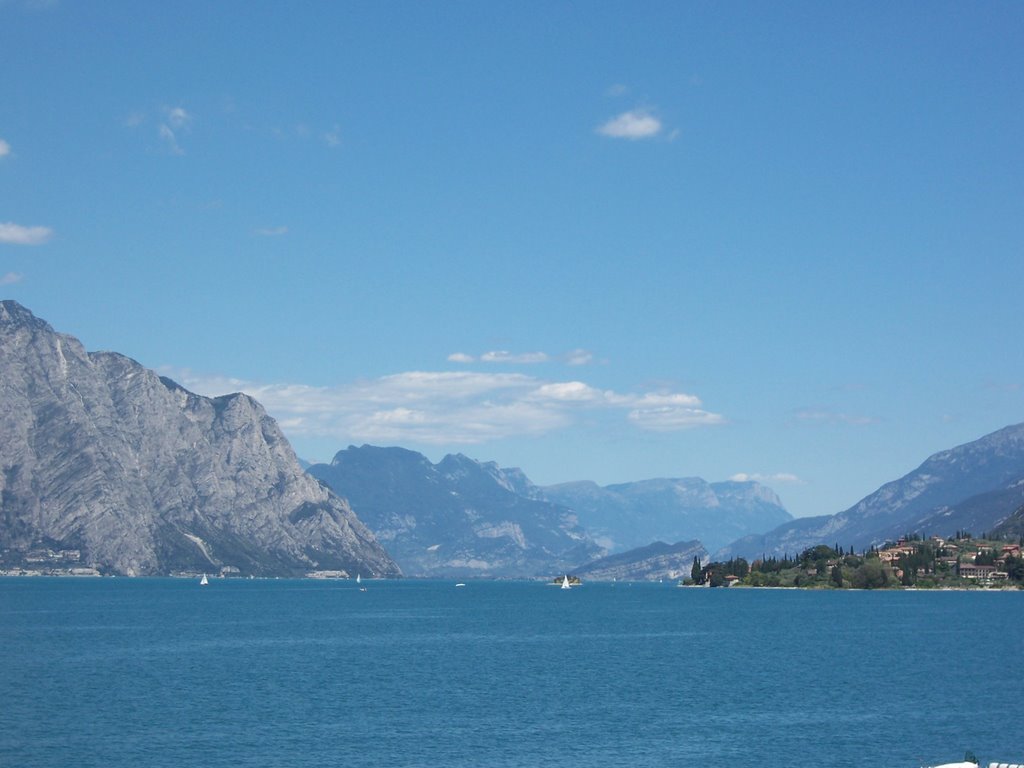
{"x": 102, "y": 456}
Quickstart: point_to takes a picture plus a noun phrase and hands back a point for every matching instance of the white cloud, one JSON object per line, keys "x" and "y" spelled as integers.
{"x": 635, "y": 124}
{"x": 15, "y": 234}
{"x": 10, "y": 278}
{"x": 272, "y": 231}
{"x": 571, "y": 392}
{"x": 5, "y": 148}
{"x": 784, "y": 478}
{"x": 438, "y": 408}
{"x": 460, "y": 357}
{"x": 178, "y": 117}
{"x": 667, "y": 418}
{"x": 502, "y": 356}
{"x": 579, "y": 357}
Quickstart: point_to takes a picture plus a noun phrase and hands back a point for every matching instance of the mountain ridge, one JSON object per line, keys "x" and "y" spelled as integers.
{"x": 459, "y": 517}
{"x": 949, "y": 485}
{"x": 143, "y": 477}
{"x": 625, "y": 516}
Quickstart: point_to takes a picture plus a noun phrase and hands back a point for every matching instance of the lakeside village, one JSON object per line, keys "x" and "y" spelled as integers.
{"x": 913, "y": 562}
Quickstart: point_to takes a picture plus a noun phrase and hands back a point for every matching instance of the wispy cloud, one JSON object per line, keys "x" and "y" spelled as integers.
{"x": 272, "y": 231}
{"x": 579, "y": 357}
{"x": 16, "y": 234}
{"x": 633, "y": 125}
{"x": 10, "y": 278}
{"x": 332, "y": 138}
{"x": 777, "y": 478}
{"x": 501, "y": 356}
{"x": 177, "y": 117}
{"x": 819, "y": 416}
{"x": 170, "y": 140}
{"x": 175, "y": 120}
{"x": 171, "y": 122}
{"x": 5, "y": 148}
{"x": 444, "y": 408}
{"x": 669, "y": 412}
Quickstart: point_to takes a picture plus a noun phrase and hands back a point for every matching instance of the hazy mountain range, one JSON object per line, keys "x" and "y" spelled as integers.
{"x": 462, "y": 517}
{"x": 631, "y": 515}
{"x": 104, "y": 458}
{"x": 139, "y": 476}
{"x": 974, "y": 487}
{"x": 458, "y": 517}
{"x": 655, "y": 562}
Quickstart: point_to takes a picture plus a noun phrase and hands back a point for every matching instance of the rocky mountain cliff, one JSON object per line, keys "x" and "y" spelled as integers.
{"x": 630, "y": 515}
{"x": 136, "y": 475}
{"x": 973, "y": 486}
{"x": 458, "y": 518}
{"x": 654, "y": 562}
{"x": 1011, "y": 526}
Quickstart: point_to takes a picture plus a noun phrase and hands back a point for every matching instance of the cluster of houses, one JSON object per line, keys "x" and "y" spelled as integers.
{"x": 959, "y": 557}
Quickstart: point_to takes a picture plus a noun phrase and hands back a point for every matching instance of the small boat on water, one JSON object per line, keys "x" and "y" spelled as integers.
{"x": 203, "y": 581}
{"x": 565, "y": 583}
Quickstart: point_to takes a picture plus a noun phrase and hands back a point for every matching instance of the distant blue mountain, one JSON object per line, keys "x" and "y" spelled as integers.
{"x": 630, "y": 515}
{"x": 459, "y": 518}
{"x": 655, "y": 562}
{"x": 974, "y": 487}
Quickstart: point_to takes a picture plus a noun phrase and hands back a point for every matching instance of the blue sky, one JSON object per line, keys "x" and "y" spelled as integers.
{"x": 606, "y": 241}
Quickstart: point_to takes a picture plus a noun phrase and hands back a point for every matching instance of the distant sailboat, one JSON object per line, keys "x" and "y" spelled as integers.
{"x": 203, "y": 581}
{"x": 565, "y": 583}
{"x": 359, "y": 579}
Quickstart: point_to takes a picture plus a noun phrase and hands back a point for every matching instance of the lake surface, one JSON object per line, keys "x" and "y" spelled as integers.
{"x": 163, "y": 672}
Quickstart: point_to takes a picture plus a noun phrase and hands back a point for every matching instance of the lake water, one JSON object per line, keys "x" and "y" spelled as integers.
{"x": 163, "y": 672}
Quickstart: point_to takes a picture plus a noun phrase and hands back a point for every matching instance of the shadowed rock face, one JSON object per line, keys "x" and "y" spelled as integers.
{"x": 143, "y": 477}
{"x": 459, "y": 517}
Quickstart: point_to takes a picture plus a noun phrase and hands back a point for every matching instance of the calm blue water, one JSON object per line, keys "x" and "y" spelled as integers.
{"x": 126, "y": 672}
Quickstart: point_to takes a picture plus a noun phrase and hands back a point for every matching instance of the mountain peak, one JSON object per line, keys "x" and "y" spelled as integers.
{"x": 13, "y": 315}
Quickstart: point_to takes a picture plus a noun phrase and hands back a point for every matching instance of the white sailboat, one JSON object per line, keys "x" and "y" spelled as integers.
{"x": 565, "y": 582}
{"x": 203, "y": 581}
